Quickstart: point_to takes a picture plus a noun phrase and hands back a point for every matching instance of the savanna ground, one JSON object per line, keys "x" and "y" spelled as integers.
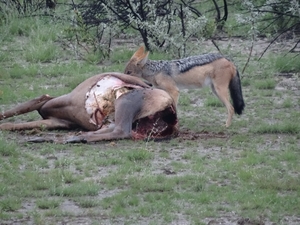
{"x": 245, "y": 174}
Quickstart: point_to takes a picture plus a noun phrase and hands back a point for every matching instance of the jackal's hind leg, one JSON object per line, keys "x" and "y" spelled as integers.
{"x": 44, "y": 124}
{"x": 26, "y": 107}
{"x": 223, "y": 95}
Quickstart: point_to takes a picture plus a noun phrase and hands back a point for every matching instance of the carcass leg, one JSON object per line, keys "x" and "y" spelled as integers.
{"x": 26, "y": 107}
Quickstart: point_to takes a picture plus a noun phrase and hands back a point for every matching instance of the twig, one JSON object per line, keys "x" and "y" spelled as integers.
{"x": 276, "y": 39}
{"x": 215, "y": 44}
{"x": 250, "y": 54}
{"x": 295, "y": 46}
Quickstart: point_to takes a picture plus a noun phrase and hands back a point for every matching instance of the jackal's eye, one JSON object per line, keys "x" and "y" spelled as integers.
{"x": 128, "y": 72}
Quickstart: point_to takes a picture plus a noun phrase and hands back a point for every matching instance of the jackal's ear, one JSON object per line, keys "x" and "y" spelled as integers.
{"x": 142, "y": 61}
{"x": 139, "y": 54}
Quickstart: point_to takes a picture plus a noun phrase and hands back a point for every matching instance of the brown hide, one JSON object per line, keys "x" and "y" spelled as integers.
{"x": 131, "y": 100}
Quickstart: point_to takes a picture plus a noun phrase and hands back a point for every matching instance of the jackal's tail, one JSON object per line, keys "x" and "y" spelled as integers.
{"x": 236, "y": 94}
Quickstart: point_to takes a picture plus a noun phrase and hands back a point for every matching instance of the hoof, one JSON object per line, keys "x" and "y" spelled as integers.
{"x": 76, "y": 139}
{"x": 39, "y": 140}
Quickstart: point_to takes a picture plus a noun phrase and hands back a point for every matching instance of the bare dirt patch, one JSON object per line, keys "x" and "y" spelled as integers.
{"x": 185, "y": 134}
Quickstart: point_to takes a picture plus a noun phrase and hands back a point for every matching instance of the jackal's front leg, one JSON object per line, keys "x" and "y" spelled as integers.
{"x": 26, "y": 107}
{"x": 166, "y": 83}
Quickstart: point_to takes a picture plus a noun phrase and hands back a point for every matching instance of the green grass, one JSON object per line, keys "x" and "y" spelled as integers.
{"x": 77, "y": 189}
{"x": 288, "y": 103}
{"x": 249, "y": 170}
{"x": 88, "y": 202}
{"x": 287, "y": 63}
{"x": 121, "y": 55}
{"x": 41, "y": 52}
{"x": 278, "y": 128}
{"x": 17, "y": 71}
{"x": 10, "y": 204}
{"x": 7, "y": 149}
{"x": 267, "y": 83}
{"x": 47, "y": 203}
{"x": 21, "y": 27}
{"x": 213, "y": 101}
{"x": 138, "y": 155}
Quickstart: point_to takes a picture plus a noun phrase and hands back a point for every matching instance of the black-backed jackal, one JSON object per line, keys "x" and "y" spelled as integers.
{"x": 191, "y": 72}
